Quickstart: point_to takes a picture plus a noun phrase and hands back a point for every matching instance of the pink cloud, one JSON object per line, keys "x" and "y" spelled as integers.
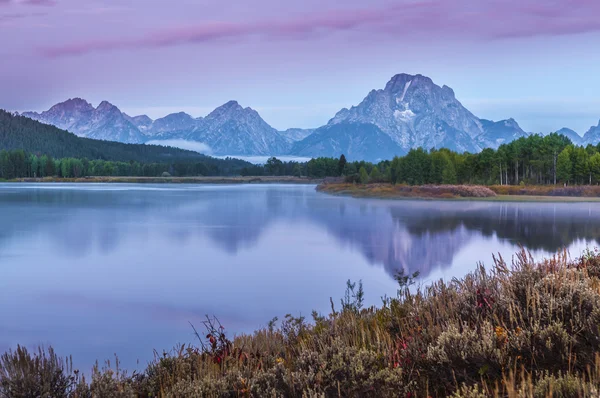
{"x": 441, "y": 19}
{"x": 17, "y": 16}
{"x": 29, "y": 2}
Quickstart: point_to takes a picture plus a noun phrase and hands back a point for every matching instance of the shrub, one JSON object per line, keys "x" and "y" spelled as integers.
{"x": 42, "y": 374}
{"x": 525, "y": 329}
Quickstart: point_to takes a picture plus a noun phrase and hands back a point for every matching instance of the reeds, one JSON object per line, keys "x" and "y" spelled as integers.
{"x": 586, "y": 191}
{"x": 383, "y": 190}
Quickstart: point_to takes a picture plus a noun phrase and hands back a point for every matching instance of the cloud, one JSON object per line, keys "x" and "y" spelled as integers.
{"x": 418, "y": 20}
{"x": 40, "y": 2}
{"x": 263, "y": 159}
{"x": 183, "y": 144}
{"x": 17, "y": 16}
{"x": 44, "y": 3}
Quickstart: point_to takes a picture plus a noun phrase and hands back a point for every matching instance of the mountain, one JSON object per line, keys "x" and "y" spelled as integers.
{"x": 20, "y": 132}
{"x": 357, "y": 141}
{"x": 142, "y": 122}
{"x": 173, "y": 125}
{"x": 592, "y": 136}
{"x": 415, "y": 112}
{"x": 295, "y": 134}
{"x": 233, "y": 130}
{"x": 228, "y": 130}
{"x": 411, "y": 110}
{"x": 572, "y": 135}
{"x": 106, "y": 122}
{"x": 498, "y": 133}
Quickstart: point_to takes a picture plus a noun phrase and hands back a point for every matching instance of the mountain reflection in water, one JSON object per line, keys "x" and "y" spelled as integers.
{"x": 403, "y": 235}
{"x": 97, "y": 269}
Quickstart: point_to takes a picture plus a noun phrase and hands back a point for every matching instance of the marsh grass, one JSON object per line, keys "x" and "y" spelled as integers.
{"x": 585, "y": 191}
{"x": 386, "y": 190}
{"x": 518, "y": 329}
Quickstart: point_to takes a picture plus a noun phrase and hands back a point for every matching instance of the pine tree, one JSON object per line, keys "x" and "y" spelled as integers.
{"x": 342, "y": 165}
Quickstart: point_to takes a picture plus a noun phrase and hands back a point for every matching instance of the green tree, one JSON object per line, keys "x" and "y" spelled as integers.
{"x": 34, "y": 166}
{"x": 342, "y": 164}
{"x": 363, "y": 175}
{"x": 273, "y": 166}
{"x": 595, "y": 167}
{"x": 414, "y": 167}
{"x": 375, "y": 175}
{"x": 449, "y": 174}
{"x": 297, "y": 170}
{"x": 440, "y": 162}
{"x": 350, "y": 169}
{"x": 580, "y": 159}
{"x": 564, "y": 166}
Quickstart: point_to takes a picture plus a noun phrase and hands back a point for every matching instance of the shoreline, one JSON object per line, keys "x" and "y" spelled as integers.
{"x": 175, "y": 180}
{"x": 390, "y": 192}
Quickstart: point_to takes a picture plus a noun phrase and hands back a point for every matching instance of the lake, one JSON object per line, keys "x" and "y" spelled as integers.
{"x": 98, "y": 269}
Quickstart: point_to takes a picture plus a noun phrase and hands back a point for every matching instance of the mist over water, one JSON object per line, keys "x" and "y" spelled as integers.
{"x": 96, "y": 269}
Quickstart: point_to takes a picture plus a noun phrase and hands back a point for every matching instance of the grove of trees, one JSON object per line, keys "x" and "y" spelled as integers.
{"x": 534, "y": 160}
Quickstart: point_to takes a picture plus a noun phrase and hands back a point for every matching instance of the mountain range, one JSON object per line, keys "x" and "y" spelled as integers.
{"x": 410, "y": 111}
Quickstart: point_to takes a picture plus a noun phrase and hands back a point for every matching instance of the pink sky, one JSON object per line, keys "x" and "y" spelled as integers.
{"x": 298, "y": 63}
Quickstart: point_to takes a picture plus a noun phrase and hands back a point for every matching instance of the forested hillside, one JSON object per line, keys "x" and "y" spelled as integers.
{"x": 23, "y": 139}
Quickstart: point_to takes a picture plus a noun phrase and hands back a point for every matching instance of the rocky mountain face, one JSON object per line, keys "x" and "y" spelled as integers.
{"x": 410, "y": 111}
{"x": 415, "y": 112}
{"x": 295, "y": 134}
{"x": 106, "y": 122}
{"x": 175, "y": 125}
{"x": 233, "y": 130}
{"x": 228, "y": 130}
{"x": 357, "y": 141}
{"x": 498, "y": 133}
{"x": 592, "y": 136}
{"x": 142, "y": 122}
{"x": 572, "y": 135}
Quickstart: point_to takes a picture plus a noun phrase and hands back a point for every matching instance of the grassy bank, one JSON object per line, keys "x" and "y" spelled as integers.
{"x": 521, "y": 330}
{"x": 495, "y": 192}
{"x": 581, "y": 191}
{"x": 393, "y": 191}
{"x": 180, "y": 180}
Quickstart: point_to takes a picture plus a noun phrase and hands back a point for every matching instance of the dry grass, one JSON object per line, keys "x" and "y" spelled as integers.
{"x": 521, "y": 330}
{"x": 391, "y": 191}
{"x": 586, "y": 191}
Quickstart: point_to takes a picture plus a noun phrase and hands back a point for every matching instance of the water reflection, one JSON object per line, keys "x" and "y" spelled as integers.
{"x": 87, "y": 268}
{"x": 403, "y": 236}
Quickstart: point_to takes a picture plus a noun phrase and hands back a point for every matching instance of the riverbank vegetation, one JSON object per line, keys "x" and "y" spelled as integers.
{"x": 493, "y": 192}
{"x": 525, "y": 329}
{"x": 390, "y": 191}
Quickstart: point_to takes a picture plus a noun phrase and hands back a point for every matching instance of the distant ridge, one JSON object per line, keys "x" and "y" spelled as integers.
{"x": 20, "y": 132}
{"x": 410, "y": 111}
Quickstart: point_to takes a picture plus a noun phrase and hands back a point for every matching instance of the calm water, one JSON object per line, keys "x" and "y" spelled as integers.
{"x": 100, "y": 269}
